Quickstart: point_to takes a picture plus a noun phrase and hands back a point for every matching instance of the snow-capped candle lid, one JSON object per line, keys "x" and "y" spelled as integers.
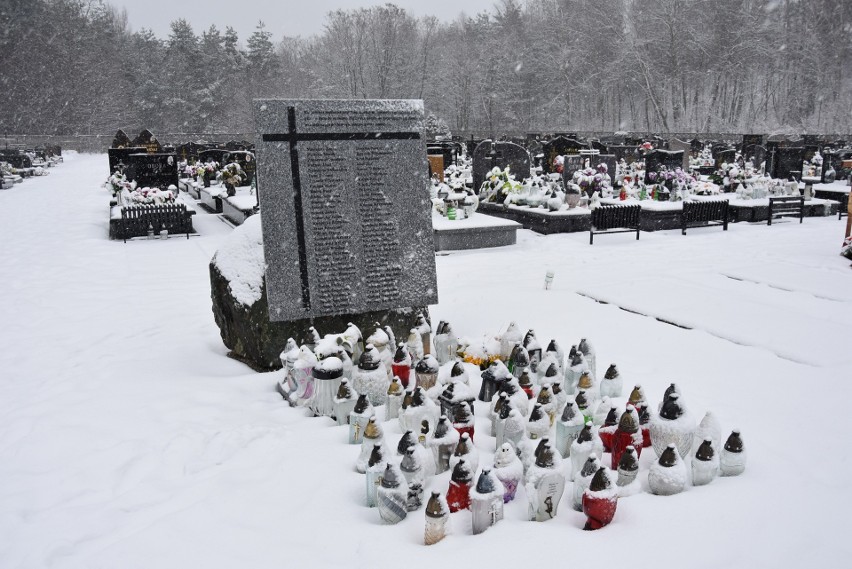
{"x": 504, "y": 456}
{"x": 585, "y": 381}
{"x": 670, "y": 390}
{"x": 537, "y": 414}
{"x": 422, "y": 325}
{"x": 345, "y": 391}
{"x": 436, "y": 507}
{"x": 522, "y": 357}
{"x": 553, "y": 346}
{"x": 611, "y": 417}
{"x": 572, "y": 353}
{"x": 544, "y": 396}
{"x": 600, "y": 481}
{"x": 585, "y": 435}
{"x": 405, "y": 441}
{"x": 362, "y": 405}
{"x": 590, "y": 466}
{"x": 429, "y": 364}
{"x": 585, "y": 346}
{"x": 373, "y": 430}
{"x": 628, "y": 461}
{"x": 370, "y": 358}
{"x": 418, "y": 397}
{"x": 705, "y": 451}
{"x": 485, "y": 484}
{"x": 462, "y": 473}
{"x": 571, "y": 410}
{"x": 463, "y": 447}
{"x": 379, "y": 337}
{"x": 401, "y": 354}
{"x": 530, "y": 341}
{"x": 328, "y": 368}
{"x": 669, "y": 457}
{"x": 629, "y": 421}
{"x": 463, "y": 414}
{"x": 671, "y": 408}
{"x": 611, "y": 372}
{"x": 552, "y": 371}
{"x": 734, "y": 442}
{"x": 557, "y": 388}
{"x": 410, "y": 462}
{"x": 524, "y": 381}
{"x": 637, "y": 396}
{"x": 581, "y": 400}
{"x": 390, "y": 479}
{"x": 458, "y": 370}
{"x": 376, "y": 456}
{"x": 545, "y": 457}
{"x": 442, "y": 428}
{"x": 577, "y": 358}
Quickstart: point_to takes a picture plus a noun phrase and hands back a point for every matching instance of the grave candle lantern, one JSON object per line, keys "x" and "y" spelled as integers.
{"x": 568, "y": 428}
{"x": 486, "y": 502}
{"x": 600, "y": 501}
{"x": 426, "y": 372}
{"x": 324, "y": 375}
{"x": 358, "y": 419}
{"x": 344, "y": 402}
{"x": 392, "y": 496}
{"x": 611, "y": 384}
{"x": 705, "y": 464}
{"x": 733, "y": 456}
{"x": 401, "y": 366}
{"x": 668, "y": 475}
{"x": 508, "y": 469}
{"x": 458, "y": 495}
{"x": 437, "y": 515}
{"x": 394, "y": 398}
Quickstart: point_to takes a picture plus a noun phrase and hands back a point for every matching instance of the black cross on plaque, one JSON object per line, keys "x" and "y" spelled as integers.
{"x": 293, "y": 137}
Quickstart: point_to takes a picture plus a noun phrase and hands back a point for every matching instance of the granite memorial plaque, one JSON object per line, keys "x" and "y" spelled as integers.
{"x": 147, "y": 139}
{"x": 119, "y": 158}
{"x": 630, "y": 153}
{"x": 121, "y": 140}
{"x": 504, "y": 154}
{"x": 559, "y": 146}
{"x": 756, "y": 153}
{"x": 656, "y": 160}
{"x": 571, "y": 164}
{"x": 677, "y": 144}
{"x": 344, "y": 197}
{"x": 153, "y": 170}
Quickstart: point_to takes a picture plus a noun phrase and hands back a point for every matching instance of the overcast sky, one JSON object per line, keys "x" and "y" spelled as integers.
{"x": 282, "y": 17}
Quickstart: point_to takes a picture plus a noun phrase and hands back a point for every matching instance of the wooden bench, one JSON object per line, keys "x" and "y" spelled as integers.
{"x": 785, "y": 207}
{"x": 615, "y": 219}
{"x": 136, "y": 219}
{"x": 704, "y": 214}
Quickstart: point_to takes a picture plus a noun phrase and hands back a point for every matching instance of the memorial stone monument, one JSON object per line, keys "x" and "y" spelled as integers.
{"x": 487, "y": 155}
{"x": 345, "y": 206}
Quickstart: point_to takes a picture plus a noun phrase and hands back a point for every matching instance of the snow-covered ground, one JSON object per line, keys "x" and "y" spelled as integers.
{"x": 128, "y": 439}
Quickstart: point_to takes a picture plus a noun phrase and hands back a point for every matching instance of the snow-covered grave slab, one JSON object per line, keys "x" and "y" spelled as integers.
{"x": 344, "y": 197}
{"x": 239, "y": 208}
{"x": 476, "y": 232}
{"x": 137, "y": 443}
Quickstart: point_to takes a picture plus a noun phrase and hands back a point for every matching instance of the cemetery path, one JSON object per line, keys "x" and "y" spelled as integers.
{"x": 128, "y": 438}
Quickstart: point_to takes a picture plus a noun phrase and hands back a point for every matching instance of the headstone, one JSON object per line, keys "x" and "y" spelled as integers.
{"x": 188, "y": 151}
{"x": 149, "y": 141}
{"x": 752, "y": 139}
{"x": 696, "y": 146}
{"x": 609, "y": 160}
{"x": 153, "y": 170}
{"x": 676, "y": 144}
{"x": 725, "y": 157}
{"x": 119, "y": 158}
{"x": 446, "y": 149}
{"x": 756, "y": 153}
{"x": 504, "y": 154}
{"x": 630, "y": 153}
{"x": 571, "y": 164}
{"x": 656, "y": 159}
{"x": 212, "y": 155}
{"x": 559, "y": 146}
{"x": 121, "y": 140}
{"x": 345, "y": 203}
{"x": 436, "y": 166}
{"x": 598, "y": 145}
{"x": 788, "y": 159}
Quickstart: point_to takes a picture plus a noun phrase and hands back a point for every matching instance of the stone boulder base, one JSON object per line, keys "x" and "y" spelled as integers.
{"x": 257, "y": 342}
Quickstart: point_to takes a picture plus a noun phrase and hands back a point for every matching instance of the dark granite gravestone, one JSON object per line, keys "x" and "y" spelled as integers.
{"x": 153, "y": 170}
{"x": 598, "y": 145}
{"x": 609, "y": 160}
{"x": 630, "y": 153}
{"x": 189, "y": 151}
{"x": 752, "y": 139}
{"x": 119, "y": 158}
{"x": 571, "y": 164}
{"x": 344, "y": 196}
{"x": 726, "y": 156}
{"x": 504, "y": 154}
{"x": 212, "y": 155}
{"x": 149, "y": 141}
{"x": 676, "y": 144}
{"x": 447, "y": 150}
{"x": 559, "y": 146}
{"x": 16, "y": 158}
{"x": 788, "y": 159}
{"x": 696, "y": 146}
{"x": 121, "y": 140}
{"x": 657, "y": 159}
{"x": 247, "y": 162}
{"x": 756, "y": 153}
